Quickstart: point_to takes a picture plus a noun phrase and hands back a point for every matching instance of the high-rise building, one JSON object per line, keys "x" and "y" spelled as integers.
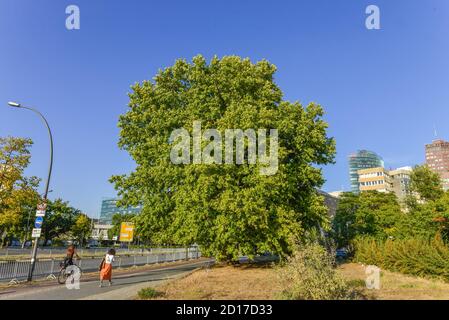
{"x": 437, "y": 159}
{"x": 362, "y": 159}
{"x": 109, "y": 209}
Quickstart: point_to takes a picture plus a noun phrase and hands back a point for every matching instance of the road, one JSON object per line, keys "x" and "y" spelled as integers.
{"x": 125, "y": 285}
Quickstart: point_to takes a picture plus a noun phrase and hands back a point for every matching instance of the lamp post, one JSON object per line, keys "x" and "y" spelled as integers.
{"x": 44, "y": 198}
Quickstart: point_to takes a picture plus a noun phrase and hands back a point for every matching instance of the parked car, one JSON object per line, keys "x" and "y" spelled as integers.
{"x": 341, "y": 254}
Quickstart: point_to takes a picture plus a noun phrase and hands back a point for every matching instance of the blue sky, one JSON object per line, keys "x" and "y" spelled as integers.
{"x": 382, "y": 90}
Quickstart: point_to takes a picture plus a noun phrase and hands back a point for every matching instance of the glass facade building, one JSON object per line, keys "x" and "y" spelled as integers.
{"x": 362, "y": 159}
{"x": 109, "y": 209}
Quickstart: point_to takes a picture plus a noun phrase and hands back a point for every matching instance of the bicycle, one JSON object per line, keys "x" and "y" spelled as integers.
{"x": 64, "y": 273}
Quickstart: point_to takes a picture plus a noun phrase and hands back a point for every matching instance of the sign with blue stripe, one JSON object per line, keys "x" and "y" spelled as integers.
{"x": 38, "y": 222}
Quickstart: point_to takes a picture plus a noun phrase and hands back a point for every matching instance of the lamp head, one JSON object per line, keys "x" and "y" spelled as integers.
{"x": 14, "y": 104}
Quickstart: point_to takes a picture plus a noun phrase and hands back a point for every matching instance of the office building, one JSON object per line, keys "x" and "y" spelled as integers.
{"x": 401, "y": 181}
{"x": 362, "y": 159}
{"x": 109, "y": 209}
{"x": 437, "y": 159}
{"x": 379, "y": 179}
{"x": 375, "y": 179}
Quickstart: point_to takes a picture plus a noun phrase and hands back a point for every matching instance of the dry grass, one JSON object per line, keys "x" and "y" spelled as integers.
{"x": 262, "y": 283}
{"x": 397, "y": 286}
{"x": 225, "y": 282}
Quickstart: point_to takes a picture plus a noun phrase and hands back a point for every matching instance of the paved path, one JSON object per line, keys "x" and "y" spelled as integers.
{"x": 125, "y": 286}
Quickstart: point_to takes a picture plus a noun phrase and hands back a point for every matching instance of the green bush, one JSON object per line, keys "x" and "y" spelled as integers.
{"x": 309, "y": 274}
{"x": 149, "y": 293}
{"x": 414, "y": 256}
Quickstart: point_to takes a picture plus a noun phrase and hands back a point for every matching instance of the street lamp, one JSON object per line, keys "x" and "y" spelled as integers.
{"x": 36, "y": 240}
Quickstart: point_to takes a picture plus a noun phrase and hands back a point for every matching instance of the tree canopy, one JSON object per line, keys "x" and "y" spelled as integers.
{"x": 81, "y": 229}
{"x": 370, "y": 213}
{"x": 228, "y": 209}
{"x": 59, "y": 219}
{"x": 426, "y": 183}
{"x": 19, "y": 198}
{"x": 18, "y": 194}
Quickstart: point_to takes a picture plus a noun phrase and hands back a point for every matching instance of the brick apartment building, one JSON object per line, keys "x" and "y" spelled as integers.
{"x": 437, "y": 158}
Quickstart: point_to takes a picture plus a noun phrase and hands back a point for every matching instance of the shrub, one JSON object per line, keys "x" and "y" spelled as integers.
{"x": 309, "y": 275}
{"x": 149, "y": 293}
{"x": 415, "y": 256}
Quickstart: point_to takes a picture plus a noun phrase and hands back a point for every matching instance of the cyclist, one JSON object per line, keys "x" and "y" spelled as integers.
{"x": 71, "y": 252}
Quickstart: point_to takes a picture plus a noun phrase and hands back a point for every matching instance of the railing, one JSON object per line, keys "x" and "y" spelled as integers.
{"x": 16, "y": 270}
{"x": 50, "y": 252}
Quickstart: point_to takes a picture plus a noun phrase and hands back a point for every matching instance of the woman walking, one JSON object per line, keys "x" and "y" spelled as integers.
{"x": 106, "y": 267}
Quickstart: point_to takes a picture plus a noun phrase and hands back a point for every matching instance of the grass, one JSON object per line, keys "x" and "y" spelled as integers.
{"x": 245, "y": 282}
{"x": 396, "y": 286}
{"x": 254, "y": 282}
{"x": 149, "y": 293}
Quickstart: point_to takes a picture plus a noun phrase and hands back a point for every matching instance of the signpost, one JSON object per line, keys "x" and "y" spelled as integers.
{"x": 36, "y": 233}
{"x": 126, "y": 232}
{"x": 38, "y": 222}
{"x": 41, "y": 208}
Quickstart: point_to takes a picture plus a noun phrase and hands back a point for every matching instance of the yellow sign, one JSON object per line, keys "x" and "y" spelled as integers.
{"x": 126, "y": 232}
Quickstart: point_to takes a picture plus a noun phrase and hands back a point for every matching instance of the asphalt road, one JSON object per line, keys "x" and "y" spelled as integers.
{"x": 125, "y": 286}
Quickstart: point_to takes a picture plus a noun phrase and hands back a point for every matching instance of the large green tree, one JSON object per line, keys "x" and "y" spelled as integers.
{"x": 229, "y": 210}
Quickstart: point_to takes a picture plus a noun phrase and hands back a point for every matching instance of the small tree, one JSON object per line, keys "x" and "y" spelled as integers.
{"x": 59, "y": 219}
{"x": 81, "y": 230}
{"x": 426, "y": 183}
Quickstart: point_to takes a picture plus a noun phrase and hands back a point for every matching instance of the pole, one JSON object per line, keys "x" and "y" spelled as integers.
{"x": 47, "y": 184}
{"x": 27, "y": 230}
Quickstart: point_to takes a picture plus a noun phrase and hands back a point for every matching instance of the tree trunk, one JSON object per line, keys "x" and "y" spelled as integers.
{"x": 4, "y": 235}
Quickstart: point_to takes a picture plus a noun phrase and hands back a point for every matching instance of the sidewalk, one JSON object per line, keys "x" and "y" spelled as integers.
{"x": 130, "y": 292}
